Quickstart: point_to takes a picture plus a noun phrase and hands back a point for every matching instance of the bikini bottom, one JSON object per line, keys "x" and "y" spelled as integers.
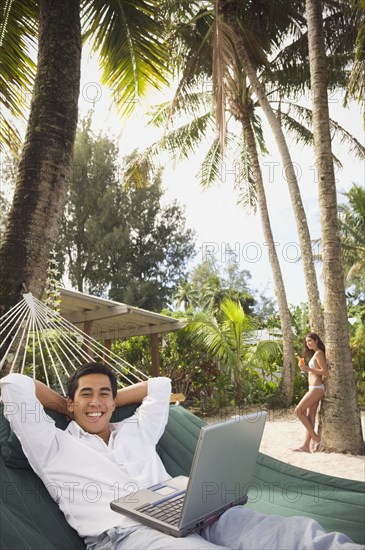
{"x": 320, "y": 387}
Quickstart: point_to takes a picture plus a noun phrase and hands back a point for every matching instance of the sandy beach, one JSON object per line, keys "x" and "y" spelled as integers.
{"x": 283, "y": 432}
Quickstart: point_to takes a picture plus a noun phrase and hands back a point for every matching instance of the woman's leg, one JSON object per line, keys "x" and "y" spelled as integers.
{"x": 309, "y": 401}
{"x": 311, "y": 413}
{"x": 305, "y": 448}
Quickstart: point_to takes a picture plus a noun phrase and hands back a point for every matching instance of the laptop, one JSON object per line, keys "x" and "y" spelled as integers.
{"x": 222, "y": 467}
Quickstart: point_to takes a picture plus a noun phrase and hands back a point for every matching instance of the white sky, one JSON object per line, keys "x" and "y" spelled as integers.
{"x": 219, "y": 222}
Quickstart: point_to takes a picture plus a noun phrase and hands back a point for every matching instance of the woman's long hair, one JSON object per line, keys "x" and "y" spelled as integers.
{"x": 308, "y": 353}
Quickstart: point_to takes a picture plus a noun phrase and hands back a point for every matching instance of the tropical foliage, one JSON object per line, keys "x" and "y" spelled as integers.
{"x": 120, "y": 242}
{"x": 126, "y": 36}
{"x": 352, "y": 234}
{"x": 261, "y": 55}
{"x": 228, "y": 335}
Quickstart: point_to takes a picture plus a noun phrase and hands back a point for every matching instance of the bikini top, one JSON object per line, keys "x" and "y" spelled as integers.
{"x": 311, "y": 363}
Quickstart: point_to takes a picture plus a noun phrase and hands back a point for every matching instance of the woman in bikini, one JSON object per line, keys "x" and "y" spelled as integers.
{"x": 314, "y": 352}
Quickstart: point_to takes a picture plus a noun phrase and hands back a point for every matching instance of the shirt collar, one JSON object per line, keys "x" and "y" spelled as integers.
{"x": 74, "y": 429}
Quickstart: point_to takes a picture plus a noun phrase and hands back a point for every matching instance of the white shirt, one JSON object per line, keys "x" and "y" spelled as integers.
{"x": 80, "y": 471}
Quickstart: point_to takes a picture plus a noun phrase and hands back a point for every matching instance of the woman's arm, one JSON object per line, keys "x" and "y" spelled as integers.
{"x": 321, "y": 362}
{"x": 320, "y": 359}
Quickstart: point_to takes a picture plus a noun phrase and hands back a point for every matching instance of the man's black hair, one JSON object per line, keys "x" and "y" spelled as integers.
{"x": 91, "y": 368}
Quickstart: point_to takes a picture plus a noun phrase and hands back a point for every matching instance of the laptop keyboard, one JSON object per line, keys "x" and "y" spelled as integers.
{"x": 169, "y": 511}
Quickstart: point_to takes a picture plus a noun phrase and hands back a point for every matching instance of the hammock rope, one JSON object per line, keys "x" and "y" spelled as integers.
{"x": 32, "y": 326}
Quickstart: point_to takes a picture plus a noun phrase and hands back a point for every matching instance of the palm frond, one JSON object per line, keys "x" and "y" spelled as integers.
{"x": 178, "y": 143}
{"x": 128, "y": 37}
{"x": 183, "y": 141}
{"x": 356, "y": 84}
{"x": 191, "y": 105}
{"x": 245, "y": 184}
{"x": 302, "y": 134}
{"x": 137, "y": 170}
{"x": 192, "y": 75}
{"x": 211, "y": 167}
{"x": 158, "y": 114}
{"x": 289, "y": 69}
{"x": 205, "y": 329}
{"x": 18, "y": 32}
{"x": 354, "y": 146}
{"x": 259, "y": 134}
{"x": 225, "y": 63}
{"x": 352, "y": 228}
{"x": 271, "y": 23}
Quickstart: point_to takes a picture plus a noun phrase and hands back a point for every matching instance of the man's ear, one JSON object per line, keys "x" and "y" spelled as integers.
{"x": 70, "y": 404}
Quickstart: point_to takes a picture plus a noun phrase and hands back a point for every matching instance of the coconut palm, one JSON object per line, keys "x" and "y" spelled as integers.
{"x": 285, "y": 390}
{"x": 341, "y": 427}
{"x": 186, "y": 295}
{"x": 352, "y": 235}
{"x": 18, "y": 34}
{"x": 45, "y": 163}
{"x": 181, "y": 142}
{"x": 356, "y": 82}
{"x": 128, "y": 39}
{"x": 235, "y": 31}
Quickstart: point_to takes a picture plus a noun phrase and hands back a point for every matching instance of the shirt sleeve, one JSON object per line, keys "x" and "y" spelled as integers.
{"x": 153, "y": 414}
{"x": 35, "y": 430}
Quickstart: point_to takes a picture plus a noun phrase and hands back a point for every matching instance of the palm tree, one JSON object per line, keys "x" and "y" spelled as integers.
{"x": 284, "y": 394}
{"x": 341, "y": 425}
{"x": 225, "y": 335}
{"x": 128, "y": 38}
{"x": 45, "y": 163}
{"x": 235, "y": 30}
{"x": 241, "y": 105}
{"x": 186, "y": 295}
{"x": 352, "y": 235}
{"x": 356, "y": 82}
{"x": 18, "y": 33}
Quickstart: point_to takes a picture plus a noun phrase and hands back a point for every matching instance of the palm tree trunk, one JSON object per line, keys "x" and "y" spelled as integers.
{"x": 341, "y": 424}
{"x": 45, "y": 166}
{"x": 284, "y": 395}
{"x": 314, "y": 302}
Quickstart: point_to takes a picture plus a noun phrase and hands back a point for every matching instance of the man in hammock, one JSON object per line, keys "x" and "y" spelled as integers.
{"x": 94, "y": 462}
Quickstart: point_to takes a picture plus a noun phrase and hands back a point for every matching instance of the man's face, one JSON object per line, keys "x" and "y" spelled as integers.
{"x": 93, "y": 404}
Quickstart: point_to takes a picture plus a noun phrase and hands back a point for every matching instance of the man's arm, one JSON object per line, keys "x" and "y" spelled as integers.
{"x": 131, "y": 394}
{"x": 152, "y": 415}
{"x": 56, "y": 402}
{"x": 50, "y": 399}
{"x": 35, "y": 430}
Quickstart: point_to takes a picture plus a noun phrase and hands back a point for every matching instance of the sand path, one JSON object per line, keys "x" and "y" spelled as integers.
{"x": 283, "y": 432}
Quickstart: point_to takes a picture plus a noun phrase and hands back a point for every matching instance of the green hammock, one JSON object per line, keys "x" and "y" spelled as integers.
{"x": 30, "y": 519}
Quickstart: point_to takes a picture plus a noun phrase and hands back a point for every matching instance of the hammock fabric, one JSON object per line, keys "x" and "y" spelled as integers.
{"x": 31, "y": 520}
